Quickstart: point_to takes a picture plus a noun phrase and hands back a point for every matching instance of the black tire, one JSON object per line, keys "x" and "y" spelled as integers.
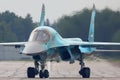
{"x": 41, "y": 74}
{"x": 46, "y": 74}
{"x": 85, "y": 72}
{"x": 31, "y": 72}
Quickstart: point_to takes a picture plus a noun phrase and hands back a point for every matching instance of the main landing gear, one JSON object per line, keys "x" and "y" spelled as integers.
{"x": 84, "y": 71}
{"x": 32, "y": 72}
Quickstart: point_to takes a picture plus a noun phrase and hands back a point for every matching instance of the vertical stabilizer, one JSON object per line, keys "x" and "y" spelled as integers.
{"x": 42, "y": 15}
{"x": 91, "y": 29}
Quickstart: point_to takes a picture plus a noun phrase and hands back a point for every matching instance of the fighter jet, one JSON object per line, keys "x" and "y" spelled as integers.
{"x": 45, "y": 43}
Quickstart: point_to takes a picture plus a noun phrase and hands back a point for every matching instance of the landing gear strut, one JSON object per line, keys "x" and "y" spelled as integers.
{"x": 84, "y": 71}
{"x": 32, "y": 72}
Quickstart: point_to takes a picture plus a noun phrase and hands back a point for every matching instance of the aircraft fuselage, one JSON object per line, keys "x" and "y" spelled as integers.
{"x": 45, "y": 41}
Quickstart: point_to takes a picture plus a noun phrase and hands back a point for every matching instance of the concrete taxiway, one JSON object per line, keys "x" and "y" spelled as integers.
{"x": 100, "y": 70}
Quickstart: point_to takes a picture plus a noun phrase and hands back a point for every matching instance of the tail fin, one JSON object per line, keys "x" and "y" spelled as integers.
{"x": 91, "y": 29}
{"x": 42, "y": 16}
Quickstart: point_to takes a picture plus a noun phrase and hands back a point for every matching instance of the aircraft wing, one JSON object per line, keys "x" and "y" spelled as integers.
{"x": 93, "y": 46}
{"x": 77, "y": 41}
{"x": 13, "y": 44}
{"x": 101, "y": 44}
{"x": 98, "y": 44}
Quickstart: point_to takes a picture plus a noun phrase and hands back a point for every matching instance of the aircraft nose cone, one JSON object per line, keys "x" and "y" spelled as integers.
{"x": 32, "y": 48}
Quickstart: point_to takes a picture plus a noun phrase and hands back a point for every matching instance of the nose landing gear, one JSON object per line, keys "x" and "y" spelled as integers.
{"x": 43, "y": 72}
{"x": 32, "y": 72}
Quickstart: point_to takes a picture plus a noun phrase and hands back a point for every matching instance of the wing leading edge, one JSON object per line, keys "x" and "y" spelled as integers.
{"x": 96, "y": 44}
{"x": 13, "y": 44}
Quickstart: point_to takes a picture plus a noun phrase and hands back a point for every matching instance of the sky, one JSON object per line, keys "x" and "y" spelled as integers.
{"x": 54, "y": 8}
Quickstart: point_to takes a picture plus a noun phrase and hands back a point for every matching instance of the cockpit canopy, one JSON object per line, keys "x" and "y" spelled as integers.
{"x": 42, "y": 34}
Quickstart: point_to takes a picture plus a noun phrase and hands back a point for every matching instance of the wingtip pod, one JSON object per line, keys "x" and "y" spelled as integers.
{"x": 42, "y": 15}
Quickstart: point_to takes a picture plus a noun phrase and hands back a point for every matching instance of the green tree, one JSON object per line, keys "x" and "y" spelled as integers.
{"x": 19, "y": 27}
{"x": 5, "y": 33}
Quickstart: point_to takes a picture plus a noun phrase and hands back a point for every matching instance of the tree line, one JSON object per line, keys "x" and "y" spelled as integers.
{"x": 107, "y": 25}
